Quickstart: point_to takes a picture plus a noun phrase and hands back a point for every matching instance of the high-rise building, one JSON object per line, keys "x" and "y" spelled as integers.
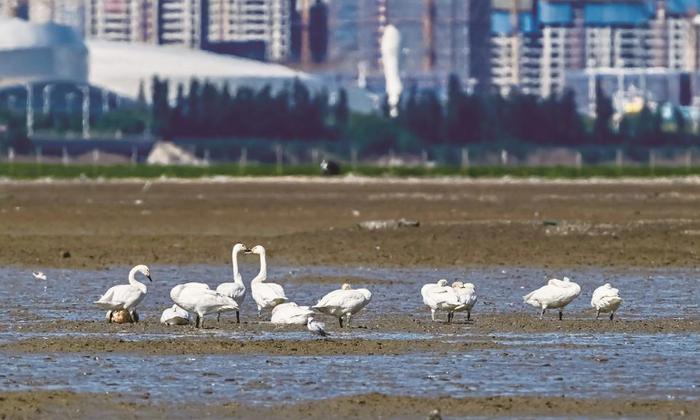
{"x": 267, "y": 21}
{"x": 121, "y": 20}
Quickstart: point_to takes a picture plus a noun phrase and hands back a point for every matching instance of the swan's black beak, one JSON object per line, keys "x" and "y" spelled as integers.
{"x": 149, "y": 278}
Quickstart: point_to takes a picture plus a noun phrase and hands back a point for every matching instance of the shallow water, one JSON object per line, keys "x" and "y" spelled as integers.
{"x": 617, "y": 366}
{"x": 577, "y": 365}
{"x": 69, "y": 293}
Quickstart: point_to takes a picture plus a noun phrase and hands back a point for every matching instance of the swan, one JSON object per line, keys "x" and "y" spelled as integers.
{"x": 265, "y": 295}
{"x": 175, "y": 315}
{"x": 467, "y": 296}
{"x": 343, "y": 302}
{"x": 606, "y": 299}
{"x": 556, "y": 294}
{"x": 201, "y": 301}
{"x": 290, "y": 313}
{"x": 125, "y": 296}
{"x": 318, "y": 328}
{"x": 39, "y": 275}
{"x": 440, "y": 296}
{"x": 235, "y": 290}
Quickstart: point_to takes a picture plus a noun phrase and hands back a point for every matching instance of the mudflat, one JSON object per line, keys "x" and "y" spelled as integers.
{"x": 93, "y": 224}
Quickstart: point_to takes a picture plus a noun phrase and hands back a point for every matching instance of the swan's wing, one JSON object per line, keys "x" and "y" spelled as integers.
{"x": 230, "y": 289}
{"x": 277, "y": 289}
{"x": 330, "y": 299}
{"x": 124, "y": 294}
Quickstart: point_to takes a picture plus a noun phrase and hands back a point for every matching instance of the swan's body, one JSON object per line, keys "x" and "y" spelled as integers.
{"x": 235, "y": 290}
{"x": 467, "y": 297}
{"x": 606, "y": 299}
{"x": 317, "y": 328}
{"x": 556, "y": 294}
{"x": 175, "y": 315}
{"x": 344, "y": 302}
{"x": 39, "y": 275}
{"x": 125, "y": 296}
{"x": 201, "y": 301}
{"x": 290, "y": 313}
{"x": 265, "y": 295}
{"x": 441, "y": 297}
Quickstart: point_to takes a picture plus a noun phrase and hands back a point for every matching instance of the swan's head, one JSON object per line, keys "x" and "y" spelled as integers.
{"x": 239, "y": 247}
{"x": 257, "y": 249}
{"x": 346, "y": 286}
{"x": 566, "y": 279}
{"x": 607, "y": 286}
{"x": 442, "y": 283}
{"x": 458, "y": 285}
{"x": 144, "y": 270}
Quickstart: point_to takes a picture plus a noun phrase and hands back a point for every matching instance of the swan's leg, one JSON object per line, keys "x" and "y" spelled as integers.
{"x": 561, "y": 314}
{"x": 542, "y": 313}
{"x": 111, "y": 313}
{"x": 449, "y": 317}
{"x": 259, "y": 312}
{"x": 347, "y": 321}
{"x": 218, "y": 316}
{"x": 340, "y": 320}
{"x": 196, "y": 323}
{"x": 612, "y": 315}
{"x": 597, "y": 314}
{"x": 432, "y": 314}
{"x": 238, "y": 317}
{"x": 469, "y": 315}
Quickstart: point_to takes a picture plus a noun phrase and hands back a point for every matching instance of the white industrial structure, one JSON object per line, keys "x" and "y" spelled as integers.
{"x": 34, "y": 52}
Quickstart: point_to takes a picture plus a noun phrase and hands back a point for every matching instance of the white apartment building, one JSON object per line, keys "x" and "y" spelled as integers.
{"x": 268, "y": 21}
{"x": 121, "y": 20}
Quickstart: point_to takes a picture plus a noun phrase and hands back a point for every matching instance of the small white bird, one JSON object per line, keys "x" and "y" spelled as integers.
{"x": 290, "y": 313}
{"x": 440, "y": 296}
{"x": 556, "y": 294}
{"x": 467, "y": 296}
{"x": 39, "y": 275}
{"x": 344, "y": 302}
{"x": 606, "y": 299}
{"x": 235, "y": 290}
{"x": 201, "y": 301}
{"x": 318, "y": 328}
{"x": 265, "y": 295}
{"x": 125, "y": 296}
{"x": 175, "y": 315}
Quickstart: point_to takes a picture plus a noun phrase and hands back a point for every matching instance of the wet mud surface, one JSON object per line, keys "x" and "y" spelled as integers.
{"x": 62, "y": 359}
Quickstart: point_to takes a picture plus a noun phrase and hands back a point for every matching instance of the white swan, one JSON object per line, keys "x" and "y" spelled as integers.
{"x": 175, "y": 315}
{"x": 467, "y": 296}
{"x": 317, "y": 328}
{"x": 265, "y": 295}
{"x": 440, "y": 296}
{"x": 344, "y": 302}
{"x": 606, "y": 299}
{"x": 235, "y": 290}
{"x": 39, "y": 275}
{"x": 290, "y": 313}
{"x": 125, "y": 296}
{"x": 555, "y": 295}
{"x": 201, "y": 301}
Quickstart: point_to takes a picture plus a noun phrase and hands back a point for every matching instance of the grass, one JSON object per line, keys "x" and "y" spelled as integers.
{"x": 33, "y": 171}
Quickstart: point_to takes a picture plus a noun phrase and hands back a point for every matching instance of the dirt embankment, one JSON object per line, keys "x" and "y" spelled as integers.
{"x": 97, "y": 224}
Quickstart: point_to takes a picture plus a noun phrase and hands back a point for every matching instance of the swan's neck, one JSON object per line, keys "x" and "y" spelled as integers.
{"x": 262, "y": 275}
{"x": 234, "y": 261}
{"x": 134, "y": 282}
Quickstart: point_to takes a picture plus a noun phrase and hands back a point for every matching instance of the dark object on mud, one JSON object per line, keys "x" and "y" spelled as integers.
{"x": 388, "y": 224}
{"x": 65, "y": 254}
{"x": 550, "y": 223}
{"x": 330, "y": 167}
{"x": 122, "y": 316}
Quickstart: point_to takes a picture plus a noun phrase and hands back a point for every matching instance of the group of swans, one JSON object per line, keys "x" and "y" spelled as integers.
{"x": 556, "y": 294}
{"x": 456, "y": 298}
{"x": 194, "y": 300}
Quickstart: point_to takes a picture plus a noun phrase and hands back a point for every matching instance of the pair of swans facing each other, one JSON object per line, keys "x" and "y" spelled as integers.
{"x": 456, "y": 298}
